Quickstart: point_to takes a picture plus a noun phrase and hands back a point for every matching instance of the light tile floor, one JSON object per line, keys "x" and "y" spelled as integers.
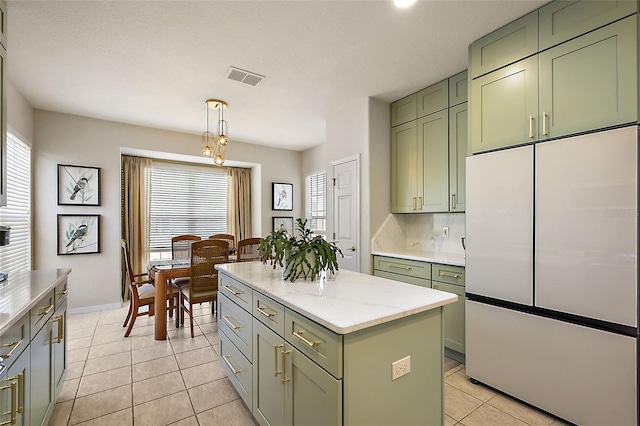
{"x": 117, "y": 381}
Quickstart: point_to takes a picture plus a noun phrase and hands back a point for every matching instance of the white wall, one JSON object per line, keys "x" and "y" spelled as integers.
{"x": 69, "y": 139}
{"x": 19, "y": 113}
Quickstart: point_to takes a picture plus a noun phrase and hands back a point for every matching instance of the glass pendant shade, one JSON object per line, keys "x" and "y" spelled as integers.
{"x": 207, "y": 144}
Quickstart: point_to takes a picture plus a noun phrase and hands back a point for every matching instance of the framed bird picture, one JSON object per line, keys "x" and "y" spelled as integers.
{"x": 78, "y": 185}
{"x": 78, "y": 234}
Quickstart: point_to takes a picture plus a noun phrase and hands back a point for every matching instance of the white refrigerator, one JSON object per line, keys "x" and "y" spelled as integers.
{"x": 552, "y": 275}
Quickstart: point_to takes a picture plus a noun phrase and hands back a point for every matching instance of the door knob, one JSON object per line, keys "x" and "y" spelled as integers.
{"x": 353, "y": 248}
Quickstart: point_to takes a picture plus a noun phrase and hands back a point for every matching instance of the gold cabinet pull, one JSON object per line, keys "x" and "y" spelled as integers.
{"x": 544, "y": 123}
{"x": 453, "y": 201}
{"x": 393, "y": 265}
{"x": 420, "y": 203}
{"x": 20, "y": 378}
{"x": 226, "y": 360}
{"x": 283, "y": 356}
{"x": 449, "y": 274}
{"x": 45, "y": 311}
{"x": 414, "y": 203}
{"x": 232, "y": 325}
{"x": 306, "y": 341}
{"x": 435, "y": 286}
{"x": 7, "y": 345}
{"x": 531, "y": 126}
{"x": 265, "y": 313}
{"x": 232, "y": 291}
{"x": 13, "y": 410}
{"x": 275, "y": 359}
{"x": 60, "y": 321}
{"x": 63, "y": 292}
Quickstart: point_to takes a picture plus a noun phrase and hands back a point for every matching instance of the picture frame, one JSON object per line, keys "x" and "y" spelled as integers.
{"x": 285, "y": 222}
{"x": 78, "y": 234}
{"x": 282, "y": 196}
{"x": 78, "y": 185}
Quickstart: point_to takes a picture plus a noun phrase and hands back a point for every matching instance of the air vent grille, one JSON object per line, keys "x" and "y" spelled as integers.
{"x": 242, "y": 76}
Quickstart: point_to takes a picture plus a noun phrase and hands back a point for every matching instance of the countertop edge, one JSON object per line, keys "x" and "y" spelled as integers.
{"x": 422, "y": 257}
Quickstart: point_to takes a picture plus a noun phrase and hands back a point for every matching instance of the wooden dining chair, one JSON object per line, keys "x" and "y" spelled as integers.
{"x": 203, "y": 278}
{"x": 231, "y": 239}
{"x": 142, "y": 293}
{"x": 181, "y": 245}
{"x": 248, "y": 250}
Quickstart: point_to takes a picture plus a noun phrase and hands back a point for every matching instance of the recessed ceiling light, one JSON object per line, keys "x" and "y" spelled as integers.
{"x": 403, "y": 3}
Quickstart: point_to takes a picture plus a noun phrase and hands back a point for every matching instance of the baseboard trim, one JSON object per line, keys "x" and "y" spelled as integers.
{"x": 96, "y": 308}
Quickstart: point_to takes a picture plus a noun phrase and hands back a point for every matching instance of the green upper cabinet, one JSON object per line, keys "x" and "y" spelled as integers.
{"x": 458, "y": 141}
{"x": 505, "y": 45}
{"x": 404, "y": 110}
{"x": 504, "y": 106}
{"x": 563, "y": 20}
{"x": 458, "y": 88}
{"x": 405, "y": 172}
{"x": 433, "y": 99}
{"x": 590, "y": 82}
{"x": 433, "y": 140}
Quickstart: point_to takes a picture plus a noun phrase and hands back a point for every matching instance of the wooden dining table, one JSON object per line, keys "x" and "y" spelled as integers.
{"x": 160, "y": 272}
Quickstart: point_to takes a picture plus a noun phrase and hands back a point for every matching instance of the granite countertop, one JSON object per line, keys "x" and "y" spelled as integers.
{"x": 350, "y": 302}
{"x": 424, "y": 256}
{"x": 22, "y": 291}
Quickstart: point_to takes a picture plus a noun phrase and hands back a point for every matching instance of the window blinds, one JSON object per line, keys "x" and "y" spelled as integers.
{"x": 186, "y": 200}
{"x": 17, "y": 214}
{"x": 316, "y": 201}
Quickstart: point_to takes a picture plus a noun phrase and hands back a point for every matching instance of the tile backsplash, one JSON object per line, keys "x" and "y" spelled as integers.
{"x": 421, "y": 232}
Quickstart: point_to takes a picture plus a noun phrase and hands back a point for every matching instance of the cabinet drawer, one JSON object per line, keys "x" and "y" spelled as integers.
{"x": 564, "y": 20}
{"x": 239, "y": 370}
{"x": 14, "y": 340}
{"x": 458, "y": 88}
{"x": 403, "y": 278}
{"x": 269, "y": 312}
{"x": 41, "y": 313}
{"x": 403, "y": 110}
{"x": 323, "y": 346}
{"x": 433, "y": 99}
{"x": 412, "y": 268}
{"x": 61, "y": 294}
{"x": 236, "y": 291}
{"x": 236, "y": 323}
{"x": 448, "y": 274}
{"x": 506, "y": 45}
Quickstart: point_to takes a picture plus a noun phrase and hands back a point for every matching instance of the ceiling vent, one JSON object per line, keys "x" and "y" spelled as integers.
{"x": 242, "y": 76}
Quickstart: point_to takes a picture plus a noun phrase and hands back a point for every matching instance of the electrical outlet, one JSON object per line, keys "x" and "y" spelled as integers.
{"x": 400, "y": 367}
{"x": 445, "y": 231}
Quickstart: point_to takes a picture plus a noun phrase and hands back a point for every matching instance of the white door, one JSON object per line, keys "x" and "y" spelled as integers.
{"x": 345, "y": 211}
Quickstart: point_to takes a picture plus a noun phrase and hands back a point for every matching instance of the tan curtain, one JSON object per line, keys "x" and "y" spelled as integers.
{"x": 239, "y": 203}
{"x": 136, "y": 196}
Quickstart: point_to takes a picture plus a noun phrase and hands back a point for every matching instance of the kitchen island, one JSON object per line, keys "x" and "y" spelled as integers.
{"x": 352, "y": 350}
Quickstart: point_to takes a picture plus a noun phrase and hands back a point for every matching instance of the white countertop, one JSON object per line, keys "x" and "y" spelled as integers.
{"x": 424, "y": 256}
{"x": 22, "y": 291}
{"x": 349, "y": 302}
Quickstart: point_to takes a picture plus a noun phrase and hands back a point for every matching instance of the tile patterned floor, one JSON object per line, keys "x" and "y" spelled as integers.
{"x": 117, "y": 381}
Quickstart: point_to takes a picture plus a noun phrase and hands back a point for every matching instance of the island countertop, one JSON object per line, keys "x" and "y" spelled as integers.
{"x": 349, "y": 302}
{"x": 22, "y": 291}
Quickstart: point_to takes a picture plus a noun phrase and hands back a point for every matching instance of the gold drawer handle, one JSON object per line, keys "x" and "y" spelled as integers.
{"x": 449, "y": 274}
{"x": 308, "y": 342}
{"x": 226, "y": 360}
{"x": 283, "y": 360}
{"x": 63, "y": 292}
{"x": 232, "y": 325}
{"x": 393, "y": 265}
{"x": 45, "y": 311}
{"x": 15, "y": 345}
{"x": 20, "y": 378}
{"x": 232, "y": 291}
{"x": 265, "y": 313}
{"x": 275, "y": 359}
{"x": 13, "y": 411}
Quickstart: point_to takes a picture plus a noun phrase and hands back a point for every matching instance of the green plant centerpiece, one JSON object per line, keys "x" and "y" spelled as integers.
{"x": 302, "y": 256}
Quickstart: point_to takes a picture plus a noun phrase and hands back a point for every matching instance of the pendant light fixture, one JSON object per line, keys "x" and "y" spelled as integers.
{"x": 213, "y": 146}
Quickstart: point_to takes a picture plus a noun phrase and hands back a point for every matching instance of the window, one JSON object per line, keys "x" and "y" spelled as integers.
{"x": 185, "y": 199}
{"x": 316, "y": 201}
{"x": 17, "y": 214}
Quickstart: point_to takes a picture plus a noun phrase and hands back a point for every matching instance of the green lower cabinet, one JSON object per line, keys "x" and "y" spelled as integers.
{"x": 59, "y": 323}
{"x": 42, "y": 389}
{"x": 15, "y": 391}
{"x": 454, "y": 318}
{"x": 289, "y": 388}
{"x": 403, "y": 278}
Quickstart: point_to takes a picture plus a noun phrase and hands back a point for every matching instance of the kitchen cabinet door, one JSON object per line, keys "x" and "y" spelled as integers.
{"x": 312, "y": 396}
{"x": 42, "y": 389}
{"x": 590, "y": 82}
{"x": 458, "y": 88}
{"x": 458, "y": 143}
{"x": 17, "y": 380}
{"x": 433, "y": 98}
{"x": 504, "y": 107}
{"x": 433, "y": 143}
{"x": 59, "y": 322}
{"x": 453, "y": 317}
{"x": 403, "y": 110}
{"x": 268, "y": 389}
{"x": 405, "y": 172}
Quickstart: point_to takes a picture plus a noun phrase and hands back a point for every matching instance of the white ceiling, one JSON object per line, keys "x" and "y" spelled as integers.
{"x": 154, "y": 63}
